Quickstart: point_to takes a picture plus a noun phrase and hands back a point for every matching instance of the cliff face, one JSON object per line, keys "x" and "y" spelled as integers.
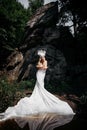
{"x": 41, "y": 31}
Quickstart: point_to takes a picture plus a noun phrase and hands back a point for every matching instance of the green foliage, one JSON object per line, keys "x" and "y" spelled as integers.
{"x": 13, "y": 18}
{"x": 63, "y": 87}
{"x": 27, "y": 84}
{"x": 7, "y": 93}
{"x": 11, "y": 93}
{"x": 12, "y": 21}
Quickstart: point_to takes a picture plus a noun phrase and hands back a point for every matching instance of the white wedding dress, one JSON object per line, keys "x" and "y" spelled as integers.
{"x": 41, "y": 101}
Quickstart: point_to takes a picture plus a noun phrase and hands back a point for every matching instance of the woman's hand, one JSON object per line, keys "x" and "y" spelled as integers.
{"x": 44, "y": 68}
{"x": 42, "y": 65}
{"x": 39, "y": 65}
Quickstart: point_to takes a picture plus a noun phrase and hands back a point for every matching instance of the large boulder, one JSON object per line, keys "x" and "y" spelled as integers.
{"x": 40, "y": 32}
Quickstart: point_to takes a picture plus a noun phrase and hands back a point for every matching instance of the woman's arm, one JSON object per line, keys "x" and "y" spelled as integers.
{"x": 39, "y": 65}
{"x": 45, "y": 65}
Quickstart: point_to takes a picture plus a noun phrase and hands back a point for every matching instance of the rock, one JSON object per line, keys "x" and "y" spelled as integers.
{"x": 39, "y": 25}
{"x": 41, "y": 31}
{"x": 15, "y": 60}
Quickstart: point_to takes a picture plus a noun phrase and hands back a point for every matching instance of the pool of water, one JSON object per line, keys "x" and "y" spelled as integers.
{"x": 45, "y": 122}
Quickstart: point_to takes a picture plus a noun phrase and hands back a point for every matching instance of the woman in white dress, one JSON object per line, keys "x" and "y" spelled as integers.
{"x": 41, "y": 101}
